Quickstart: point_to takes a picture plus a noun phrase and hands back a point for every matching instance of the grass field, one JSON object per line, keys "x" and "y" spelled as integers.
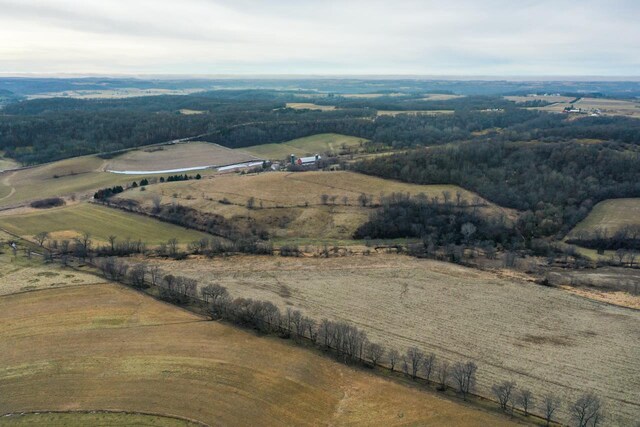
{"x": 101, "y": 222}
{"x": 80, "y": 176}
{"x": 307, "y": 146}
{"x": 440, "y": 97}
{"x": 7, "y": 163}
{"x": 610, "y": 215}
{"x": 309, "y": 106}
{"x": 291, "y": 202}
{"x": 186, "y": 155}
{"x": 543, "y": 338}
{"x": 105, "y": 347}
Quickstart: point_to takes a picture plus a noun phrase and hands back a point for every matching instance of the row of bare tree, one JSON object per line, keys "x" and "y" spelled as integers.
{"x": 348, "y": 343}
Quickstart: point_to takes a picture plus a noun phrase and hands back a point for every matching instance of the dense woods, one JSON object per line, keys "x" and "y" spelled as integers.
{"x": 555, "y": 184}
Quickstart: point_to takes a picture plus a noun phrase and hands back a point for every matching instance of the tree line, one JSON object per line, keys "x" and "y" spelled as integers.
{"x": 347, "y": 343}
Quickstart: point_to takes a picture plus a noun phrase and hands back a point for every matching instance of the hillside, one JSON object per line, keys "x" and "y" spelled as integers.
{"x": 290, "y": 205}
{"x": 105, "y": 347}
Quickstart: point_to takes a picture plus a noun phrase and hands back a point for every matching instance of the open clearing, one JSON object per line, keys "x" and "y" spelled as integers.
{"x": 105, "y": 347}
{"x": 308, "y": 146}
{"x": 414, "y": 112}
{"x": 309, "y": 106}
{"x": 440, "y": 97}
{"x": 113, "y": 93}
{"x": 543, "y": 338}
{"x": 547, "y": 98}
{"x": 102, "y": 419}
{"x": 610, "y": 215}
{"x": 101, "y": 222}
{"x": 177, "y": 156}
{"x": 608, "y": 107}
{"x": 289, "y": 204}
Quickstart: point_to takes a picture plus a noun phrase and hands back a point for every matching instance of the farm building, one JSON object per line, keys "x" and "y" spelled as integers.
{"x": 304, "y": 161}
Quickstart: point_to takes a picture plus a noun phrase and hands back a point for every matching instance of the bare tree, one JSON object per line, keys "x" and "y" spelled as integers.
{"x": 464, "y": 375}
{"x": 154, "y": 272}
{"x": 251, "y": 202}
{"x": 157, "y": 201}
{"x": 503, "y": 392}
{"x": 394, "y": 356}
{"x": 137, "y": 275}
{"x": 428, "y": 365}
{"x": 173, "y": 247}
{"x": 550, "y": 404}
{"x": 112, "y": 242}
{"x": 324, "y": 199}
{"x": 587, "y": 410}
{"x": 414, "y": 359}
{"x": 443, "y": 375}
{"x": 375, "y": 352}
{"x": 41, "y": 237}
{"x": 525, "y": 400}
{"x": 468, "y": 230}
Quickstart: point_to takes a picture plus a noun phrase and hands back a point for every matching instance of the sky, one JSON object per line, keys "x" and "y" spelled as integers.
{"x": 347, "y": 37}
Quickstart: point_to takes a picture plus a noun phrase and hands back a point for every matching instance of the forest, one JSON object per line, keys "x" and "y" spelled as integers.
{"x": 555, "y": 184}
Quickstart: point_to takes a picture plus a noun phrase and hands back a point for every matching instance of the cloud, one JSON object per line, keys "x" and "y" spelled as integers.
{"x": 460, "y": 37}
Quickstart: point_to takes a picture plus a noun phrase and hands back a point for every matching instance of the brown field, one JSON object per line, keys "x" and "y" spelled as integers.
{"x": 323, "y": 143}
{"x": 543, "y": 338}
{"x": 185, "y": 155}
{"x": 283, "y": 197}
{"x": 610, "y": 215}
{"x": 105, "y": 347}
{"x": 369, "y": 95}
{"x": 413, "y": 112}
{"x": 309, "y": 106}
{"x": 608, "y": 107}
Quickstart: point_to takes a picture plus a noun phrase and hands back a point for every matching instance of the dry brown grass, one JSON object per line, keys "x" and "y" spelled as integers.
{"x": 547, "y": 98}
{"x": 543, "y": 338}
{"x": 284, "y": 196}
{"x": 107, "y": 347}
{"x": 186, "y": 155}
{"x": 610, "y": 215}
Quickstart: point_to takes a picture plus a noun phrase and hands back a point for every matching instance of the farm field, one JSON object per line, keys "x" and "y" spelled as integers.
{"x": 307, "y": 146}
{"x": 289, "y": 204}
{"x": 105, "y": 347}
{"x": 413, "y": 112}
{"x": 101, "y": 222}
{"x": 177, "y": 156}
{"x": 440, "y": 97}
{"x": 542, "y": 338}
{"x": 113, "y": 93}
{"x": 608, "y": 107}
{"x": 610, "y": 215}
{"x": 93, "y": 419}
{"x": 309, "y": 106}
{"x": 80, "y": 176}
{"x": 547, "y": 98}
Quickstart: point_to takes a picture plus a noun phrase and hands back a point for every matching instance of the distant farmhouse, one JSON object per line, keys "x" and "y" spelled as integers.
{"x": 305, "y": 161}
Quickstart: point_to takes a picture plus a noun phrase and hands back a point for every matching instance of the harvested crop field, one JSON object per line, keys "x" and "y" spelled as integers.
{"x": 332, "y": 143}
{"x": 177, "y": 156}
{"x": 610, "y": 215}
{"x": 101, "y": 222}
{"x": 105, "y": 347}
{"x": 290, "y": 204}
{"x": 543, "y": 338}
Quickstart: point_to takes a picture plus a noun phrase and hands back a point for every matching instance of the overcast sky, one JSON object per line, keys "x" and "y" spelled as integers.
{"x": 427, "y": 37}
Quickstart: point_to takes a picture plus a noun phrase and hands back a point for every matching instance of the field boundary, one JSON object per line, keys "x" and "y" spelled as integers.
{"x": 107, "y": 411}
